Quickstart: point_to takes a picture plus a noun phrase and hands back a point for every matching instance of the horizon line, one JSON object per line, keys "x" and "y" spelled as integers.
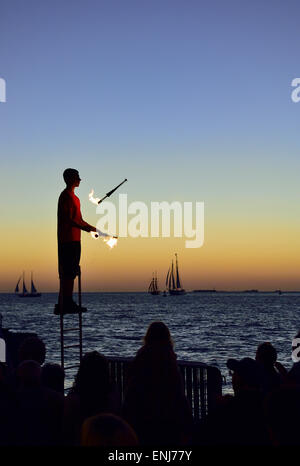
{"x": 188, "y": 291}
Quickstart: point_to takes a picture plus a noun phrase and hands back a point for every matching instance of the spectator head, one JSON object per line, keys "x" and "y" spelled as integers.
{"x": 33, "y": 349}
{"x": 266, "y": 354}
{"x": 53, "y": 377}
{"x": 158, "y": 332}
{"x": 247, "y": 374}
{"x": 93, "y": 374}
{"x": 107, "y": 430}
{"x": 29, "y": 374}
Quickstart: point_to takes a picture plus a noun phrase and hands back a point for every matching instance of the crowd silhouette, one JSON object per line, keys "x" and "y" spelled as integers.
{"x": 34, "y": 410}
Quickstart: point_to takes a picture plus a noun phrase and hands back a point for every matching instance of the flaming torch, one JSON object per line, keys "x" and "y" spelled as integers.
{"x": 97, "y": 200}
{"x": 111, "y": 241}
{"x": 94, "y": 200}
{"x": 110, "y": 192}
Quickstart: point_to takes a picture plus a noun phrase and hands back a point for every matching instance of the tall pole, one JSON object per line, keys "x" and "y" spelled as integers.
{"x": 80, "y": 314}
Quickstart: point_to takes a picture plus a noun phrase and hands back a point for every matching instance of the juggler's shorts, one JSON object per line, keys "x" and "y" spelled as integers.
{"x": 68, "y": 259}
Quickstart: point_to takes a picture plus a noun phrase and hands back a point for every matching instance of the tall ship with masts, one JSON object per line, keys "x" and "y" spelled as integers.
{"x": 153, "y": 287}
{"x": 25, "y": 293}
{"x": 173, "y": 283}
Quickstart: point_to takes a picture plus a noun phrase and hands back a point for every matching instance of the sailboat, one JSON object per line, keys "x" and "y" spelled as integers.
{"x": 173, "y": 283}
{"x": 25, "y": 294}
{"x": 153, "y": 287}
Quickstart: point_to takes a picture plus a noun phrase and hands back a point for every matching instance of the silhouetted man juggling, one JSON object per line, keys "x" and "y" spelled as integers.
{"x": 69, "y": 226}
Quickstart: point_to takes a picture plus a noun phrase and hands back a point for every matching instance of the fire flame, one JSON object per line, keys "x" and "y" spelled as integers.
{"x": 93, "y": 199}
{"x": 111, "y": 241}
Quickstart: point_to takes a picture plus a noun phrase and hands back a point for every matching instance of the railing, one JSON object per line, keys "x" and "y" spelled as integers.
{"x": 202, "y": 383}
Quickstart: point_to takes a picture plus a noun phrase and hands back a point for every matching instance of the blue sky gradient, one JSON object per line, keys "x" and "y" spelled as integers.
{"x": 190, "y": 100}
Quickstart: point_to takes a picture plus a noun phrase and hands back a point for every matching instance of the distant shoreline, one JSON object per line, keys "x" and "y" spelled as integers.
{"x": 188, "y": 291}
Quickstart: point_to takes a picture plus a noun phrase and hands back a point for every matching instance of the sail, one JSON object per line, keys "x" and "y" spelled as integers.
{"x": 170, "y": 279}
{"x": 173, "y": 282}
{"x": 33, "y": 289}
{"x": 151, "y": 285}
{"x": 178, "y": 284}
{"x": 17, "y": 285}
{"x": 172, "y": 276}
{"x": 24, "y": 287}
{"x": 167, "y": 279}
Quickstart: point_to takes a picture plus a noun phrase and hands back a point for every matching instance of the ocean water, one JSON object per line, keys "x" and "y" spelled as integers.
{"x": 205, "y": 327}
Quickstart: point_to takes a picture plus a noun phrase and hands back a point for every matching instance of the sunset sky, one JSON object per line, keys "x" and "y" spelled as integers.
{"x": 189, "y": 100}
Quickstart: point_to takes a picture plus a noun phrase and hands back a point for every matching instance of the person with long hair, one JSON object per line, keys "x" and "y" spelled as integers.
{"x": 92, "y": 393}
{"x": 155, "y": 404}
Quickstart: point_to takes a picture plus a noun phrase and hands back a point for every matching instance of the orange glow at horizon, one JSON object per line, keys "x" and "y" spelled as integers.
{"x": 233, "y": 257}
